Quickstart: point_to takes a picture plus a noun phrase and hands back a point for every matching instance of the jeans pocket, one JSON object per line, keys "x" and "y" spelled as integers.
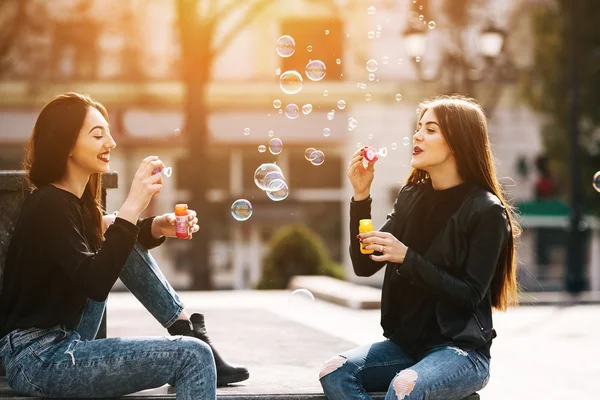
{"x": 19, "y": 382}
{"x": 43, "y": 348}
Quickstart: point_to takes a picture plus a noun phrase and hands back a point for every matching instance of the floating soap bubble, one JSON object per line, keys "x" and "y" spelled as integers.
{"x": 383, "y": 152}
{"x": 241, "y": 210}
{"x": 326, "y": 132}
{"x": 378, "y": 34}
{"x": 275, "y": 146}
{"x": 371, "y": 77}
{"x": 421, "y": 8}
{"x": 273, "y": 181}
{"x": 315, "y": 70}
{"x": 385, "y": 60}
{"x": 368, "y": 97}
{"x": 371, "y": 34}
{"x": 338, "y": 61}
{"x": 325, "y": 93}
{"x": 341, "y": 104}
{"x": 421, "y": 17}
{"x": 358, "y": 145}
{"x": 596, "y": 181}
{"x": 292, "y": 111}
{"x": 352, "y": 124}
{"x": 378, "y": 27}
{"x": 307, "y": 109}
{"x": 277, "y": 104}
{"x": 286, "y": 46}
{"x": 331, "y": 115}
{"x": 309, "y": 48}
{"x": 372, "y": 65}
{"x": 318, "y": 158}
{"x": 309, "y": 152}
{"x": 371, "y": 10}
{"x": 431, "y": 24}
{"x": 271, "y": 133}
{"x": 166, "y": 172}
{"x": 394, "y": 146}
{"x": 262, "y": 148}
{"x": 327, "y": 31}
{"x": 262, "y": 171}
{"x": 177, "y": 132}
{"x": 280, "y": 111}
{"x": 398, "y": 97}
{"x": 370, "y": 136}
{"x": 281, "y": 193}
{"x": 278, "y": 71}
{"x": 363, "y": 86}
{"x": 405, "y": 141}
{"x": 290, "y": 82}
{"x": 246, "y": 131}
{"x": 418, "y": 59}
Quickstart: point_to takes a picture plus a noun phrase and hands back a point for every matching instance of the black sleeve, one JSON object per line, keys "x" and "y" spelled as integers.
{"x": 63, "y": 240}
{"x": 486, "y": 243}
{"x": 362, "y": 263}
{"x": 145, "y": 237}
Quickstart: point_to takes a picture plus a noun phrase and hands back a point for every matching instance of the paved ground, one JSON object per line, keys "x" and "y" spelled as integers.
{"x": 548, "y": 352}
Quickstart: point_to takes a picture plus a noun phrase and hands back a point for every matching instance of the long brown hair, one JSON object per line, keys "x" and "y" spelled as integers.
{"x": 52, "y": 140}
{"x": 463, "y": 124}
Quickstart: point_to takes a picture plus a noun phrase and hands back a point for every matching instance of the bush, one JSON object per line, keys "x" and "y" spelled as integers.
{"x": 296, "y": 250}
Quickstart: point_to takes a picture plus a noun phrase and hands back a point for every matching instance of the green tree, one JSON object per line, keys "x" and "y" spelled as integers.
{"x": 547, "y": 90}
{"x": 296, "y": 250}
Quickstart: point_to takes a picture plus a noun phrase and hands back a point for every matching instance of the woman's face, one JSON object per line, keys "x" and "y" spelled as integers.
{"x": 430, "y": 147}
{"x": 91, "y": 153}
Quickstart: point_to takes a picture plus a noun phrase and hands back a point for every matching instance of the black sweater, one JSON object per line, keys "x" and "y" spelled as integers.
{"x": 52, "y": 268}
{"x": 416, "y": 329}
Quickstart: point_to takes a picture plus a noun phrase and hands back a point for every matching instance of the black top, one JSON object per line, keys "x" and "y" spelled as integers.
{"x": 52, "y": 267}
{"x": 416, "y": 329}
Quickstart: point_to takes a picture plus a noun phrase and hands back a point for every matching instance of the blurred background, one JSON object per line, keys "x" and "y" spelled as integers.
{"x": 196, "y": 82}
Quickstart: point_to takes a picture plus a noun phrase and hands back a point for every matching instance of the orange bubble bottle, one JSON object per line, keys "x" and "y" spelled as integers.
{"x": 181, "y": 221}
{"x": 365, "y": 225}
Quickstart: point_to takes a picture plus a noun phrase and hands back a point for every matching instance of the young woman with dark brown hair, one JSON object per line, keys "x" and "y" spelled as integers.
{"x": 448, "y": 249}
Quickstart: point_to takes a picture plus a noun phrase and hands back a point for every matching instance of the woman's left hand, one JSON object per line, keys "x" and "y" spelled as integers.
{"x": 391, "y": 248}
{"x": 165, "y": 224}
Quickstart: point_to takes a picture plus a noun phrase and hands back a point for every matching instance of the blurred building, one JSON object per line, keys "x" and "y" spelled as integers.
{"x": 126, "y": 55}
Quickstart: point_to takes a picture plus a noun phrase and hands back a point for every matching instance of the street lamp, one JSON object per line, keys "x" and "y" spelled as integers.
{"x": 462, "y": 73}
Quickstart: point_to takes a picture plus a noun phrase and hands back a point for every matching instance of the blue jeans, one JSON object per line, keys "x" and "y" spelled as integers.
{"x": 62, "y": 362}
{"x": 444, "y": 372}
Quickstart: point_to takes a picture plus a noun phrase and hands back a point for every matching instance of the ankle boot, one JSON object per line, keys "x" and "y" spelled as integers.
{"x": 226, "y": 373}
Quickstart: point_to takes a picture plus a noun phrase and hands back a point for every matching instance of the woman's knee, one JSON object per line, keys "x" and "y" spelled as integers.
{"x": 197, "y": 351}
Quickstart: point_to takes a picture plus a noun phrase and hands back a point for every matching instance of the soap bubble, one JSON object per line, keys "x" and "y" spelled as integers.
{"x": 275, "y": 146}
{"x": 358, "y": 145}
{"x": 338, "y": 61}
{"x": 177, "y": 132}
{"x": 309, "y": 48}
{"x": 431, "y": 24}
{"x": 398, "y": 97}
{"x": 370, "y": 136}
{"x": 371, "y": 34}
{"x": 318, "y": 158}
{"x": 368, "y": 97}
{"x": 385, "y": 60}
{"x": 378, "y": 27}
{"x": 262, "y": 171}
{"x": 352, "y": 124}
{"x": 262, "y": 148}
{"x": 325, "y": 93}
{"x": 166, "y": 172}
{"x": 405, "y": 141}
{"x": 596, "y": 181}
{"x": 279, "y": 194}
{"x": 271, "y": 133}
{"x": 418, "y": 59}
{"x": 273, "y": 181}
{"x": 326, "y": 132}
{"x": 246, "y": 131}
{"x": 327, "y": 31}
{"x": 331, "y": 115}
{"x": 290, "y": 82}
{"x": 309, "y": 153}
{"x": 280, "y": 111}
{"x": 278, "y": 71}
{"x": 371, "y": 77}
{"x": 383, "y": 152}
{"x": 307, "y": 109}
{"x": 241, "y": 210}
{"x": 277, "y": 104}
{"x": 394, "y": 146}
{"x": 286, "y": 46}
{"x": 292, "y": 111}
{"x": 371, "y": 10}
{"x": 378, "y": 34}
{"x": 362, "y": 86}
{"x": 372, "y": 65}
{"x": 315, "y": 70}
{"x": 341, "y": 104}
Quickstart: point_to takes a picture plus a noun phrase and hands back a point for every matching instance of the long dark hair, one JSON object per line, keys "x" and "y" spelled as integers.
{"x": 463, "y": 124}
{"x": 52, "y": 140}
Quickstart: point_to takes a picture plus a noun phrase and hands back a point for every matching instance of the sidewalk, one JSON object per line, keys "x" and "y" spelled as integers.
{"x": 540, "y": 353}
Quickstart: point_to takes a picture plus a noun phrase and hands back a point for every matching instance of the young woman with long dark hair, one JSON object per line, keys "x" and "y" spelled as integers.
{"x": 448, "y": 250}
{"x": 65, "y": 256}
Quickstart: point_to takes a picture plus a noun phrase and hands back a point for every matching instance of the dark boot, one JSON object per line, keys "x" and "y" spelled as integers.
{"x": 226, "y": 373}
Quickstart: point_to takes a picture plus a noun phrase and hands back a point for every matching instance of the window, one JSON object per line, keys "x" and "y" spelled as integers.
{"x": 325, "y": 47}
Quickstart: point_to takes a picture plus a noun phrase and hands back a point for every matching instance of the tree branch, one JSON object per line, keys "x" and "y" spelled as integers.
{"x": 254, "y": 10}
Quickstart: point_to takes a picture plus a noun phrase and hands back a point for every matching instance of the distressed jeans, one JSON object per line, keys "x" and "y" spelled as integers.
{"x": 444, "y": 372}
{"x": 62, "y": 362}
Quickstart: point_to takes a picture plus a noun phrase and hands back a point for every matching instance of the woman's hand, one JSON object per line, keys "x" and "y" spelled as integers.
{"x": 391, "y": 248}
{"x": 164, "y": 225}
{"x": 360, "y": 177}
{"x": 144, "y": 186}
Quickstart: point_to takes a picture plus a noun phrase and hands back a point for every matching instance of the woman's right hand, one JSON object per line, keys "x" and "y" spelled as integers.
{"x": 144, "y": 186}
{"x": 361, "y": 177}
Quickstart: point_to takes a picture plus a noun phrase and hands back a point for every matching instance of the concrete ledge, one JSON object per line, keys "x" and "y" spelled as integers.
{"x": 344, "y": 293}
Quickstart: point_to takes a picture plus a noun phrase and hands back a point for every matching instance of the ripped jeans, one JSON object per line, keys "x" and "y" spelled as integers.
{"x": 61, "y": 362}
{"x": 444, "y": 373}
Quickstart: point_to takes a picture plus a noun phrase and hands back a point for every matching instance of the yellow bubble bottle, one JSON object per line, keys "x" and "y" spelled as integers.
{"x": 365, "y": 225}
